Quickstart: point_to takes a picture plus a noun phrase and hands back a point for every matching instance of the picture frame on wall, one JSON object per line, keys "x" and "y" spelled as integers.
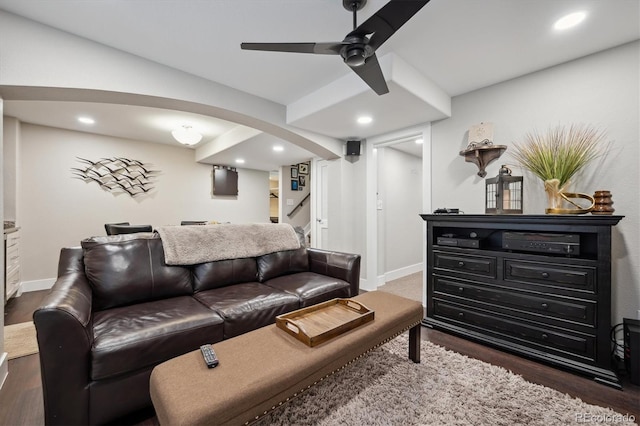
{"x": 294, "y": 185}
{"x": 302, "y": 180}
{"x": 294, "y": 173}
{"x": 303, "y": 168}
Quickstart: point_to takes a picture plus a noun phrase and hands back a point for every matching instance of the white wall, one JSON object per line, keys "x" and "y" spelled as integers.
{"x": 11, "y": 134}
{"x": 400, "y": 194}
{"x": 4, "y": 364}
{"x": 603, "y": 90}
{"x": 58, "y": 211}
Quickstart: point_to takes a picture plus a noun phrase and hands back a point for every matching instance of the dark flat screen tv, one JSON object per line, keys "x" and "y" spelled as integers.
{"x": 225, "y": 181}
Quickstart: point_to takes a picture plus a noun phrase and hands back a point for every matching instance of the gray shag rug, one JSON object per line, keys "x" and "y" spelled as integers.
{"x": 385, "y": 388}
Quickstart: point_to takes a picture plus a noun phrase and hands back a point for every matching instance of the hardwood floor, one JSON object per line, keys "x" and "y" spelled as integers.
{"x": 21, "y": 396}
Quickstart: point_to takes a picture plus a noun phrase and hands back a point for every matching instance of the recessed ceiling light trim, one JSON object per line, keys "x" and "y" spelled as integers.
{"x": 278, "y": 148}
{"x": 240, "y": 160}
{"x": 569, "y": 21}
{"x": 86, "y": 120}
{"x": 364, "y": 119}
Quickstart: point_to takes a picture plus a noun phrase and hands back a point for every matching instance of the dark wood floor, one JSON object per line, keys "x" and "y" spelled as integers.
{"x": 21, "y": 395}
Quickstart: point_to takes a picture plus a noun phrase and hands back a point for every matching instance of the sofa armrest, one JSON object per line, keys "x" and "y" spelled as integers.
{"x": 345, "y": 266}
{"x": 65, "y": 337}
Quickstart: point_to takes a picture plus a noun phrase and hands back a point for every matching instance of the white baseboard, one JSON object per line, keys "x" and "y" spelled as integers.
{"x": 36, "y": 285}
{"x": 4, "y": 368}
{"x": 389, "y": 276}
{"x": 401, "y": 272}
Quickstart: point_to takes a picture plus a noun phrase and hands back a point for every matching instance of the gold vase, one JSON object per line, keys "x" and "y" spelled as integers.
{"x": 557, "y": 199}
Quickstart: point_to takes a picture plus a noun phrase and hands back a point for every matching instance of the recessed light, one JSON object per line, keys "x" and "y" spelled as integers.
{"x": 278, "y": 148}
{"x": 570, "y": 20}
{"x": 419, "y": 141}
{"x": 240, "y": 160}
{"x": 86, "y": 120}
{"x": 365, "y": 119}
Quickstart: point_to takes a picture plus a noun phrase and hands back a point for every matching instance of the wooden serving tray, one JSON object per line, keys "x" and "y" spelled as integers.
{"x": 318, "y": 323}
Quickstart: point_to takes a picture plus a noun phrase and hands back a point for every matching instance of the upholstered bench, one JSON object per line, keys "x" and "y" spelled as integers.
{"x": 264, "y": 368}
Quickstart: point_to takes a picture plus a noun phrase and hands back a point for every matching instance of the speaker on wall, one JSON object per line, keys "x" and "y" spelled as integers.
{"x": 353, "y": 147}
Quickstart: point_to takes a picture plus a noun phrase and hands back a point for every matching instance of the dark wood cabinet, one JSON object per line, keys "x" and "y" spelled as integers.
{"x": 545, "y": 301}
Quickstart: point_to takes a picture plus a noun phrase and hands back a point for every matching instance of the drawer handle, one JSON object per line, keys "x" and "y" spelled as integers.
{"x": 460, "y": 314}
{"x": 460, "y": 289}
{"x": 545, "y": 336}
{"x": 545, "y": 275}
{"x": 461, "y": 264}
{"x": 545, "y": 306}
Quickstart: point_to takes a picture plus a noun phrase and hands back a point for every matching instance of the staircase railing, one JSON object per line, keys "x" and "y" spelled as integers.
{"x": 295, "y": 209}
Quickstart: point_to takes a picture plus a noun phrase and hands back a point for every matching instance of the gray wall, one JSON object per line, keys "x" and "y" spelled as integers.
{"x": 602, "y": 90}
{"x": 400, "y": 238}
{"x": 58, "y": 211}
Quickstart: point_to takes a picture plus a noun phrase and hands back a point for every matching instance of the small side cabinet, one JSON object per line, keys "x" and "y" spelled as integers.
{"x": 11, "y": 263}
{"x": 536, "y": 285}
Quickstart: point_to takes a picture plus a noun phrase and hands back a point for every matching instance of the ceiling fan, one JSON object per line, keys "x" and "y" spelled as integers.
{"x": 358, "y": 49}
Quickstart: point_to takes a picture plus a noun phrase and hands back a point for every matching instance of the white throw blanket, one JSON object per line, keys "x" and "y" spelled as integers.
{"x": 190, "y": 245}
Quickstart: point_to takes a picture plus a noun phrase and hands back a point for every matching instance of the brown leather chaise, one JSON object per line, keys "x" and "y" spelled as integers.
{"x": 117, "y": 310}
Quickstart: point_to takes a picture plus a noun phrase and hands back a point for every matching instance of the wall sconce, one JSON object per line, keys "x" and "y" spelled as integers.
{"x": 186, "y": 135}
{"x": 503, "y": 193}
{"x": 481, "y": 151}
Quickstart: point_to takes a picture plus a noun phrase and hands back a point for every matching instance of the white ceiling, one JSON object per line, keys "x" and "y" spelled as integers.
{"x": 457, "y": 45}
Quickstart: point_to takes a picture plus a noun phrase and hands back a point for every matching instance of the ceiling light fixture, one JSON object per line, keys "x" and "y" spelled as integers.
{"x": 240, "y": 160}
{"x": 186, "y": 135}
{"x": 419, "y": 141}
{"x": 278, "y": 148}
{"x": 86, "y": 120}
{"x": 365, "y": 119}
{"x": 570, "y": 20}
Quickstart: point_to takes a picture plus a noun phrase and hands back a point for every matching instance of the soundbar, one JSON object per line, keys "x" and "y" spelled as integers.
{"x": 541, "y": 242}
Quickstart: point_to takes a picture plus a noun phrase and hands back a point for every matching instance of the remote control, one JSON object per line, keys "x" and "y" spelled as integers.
{"x": 209, "y": 355}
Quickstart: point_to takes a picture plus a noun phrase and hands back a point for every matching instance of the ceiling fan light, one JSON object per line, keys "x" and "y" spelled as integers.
{"x": 355, "y": 57}
{"x": 186, "y": 135}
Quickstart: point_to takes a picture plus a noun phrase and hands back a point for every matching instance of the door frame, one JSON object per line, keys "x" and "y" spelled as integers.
{"x": 371, "y": 263}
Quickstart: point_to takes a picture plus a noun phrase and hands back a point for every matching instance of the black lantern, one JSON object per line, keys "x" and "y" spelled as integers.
{"x": 504, "y": 193}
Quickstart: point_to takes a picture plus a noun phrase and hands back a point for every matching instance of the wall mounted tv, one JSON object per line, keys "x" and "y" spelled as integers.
{"x": 225, "y": 180}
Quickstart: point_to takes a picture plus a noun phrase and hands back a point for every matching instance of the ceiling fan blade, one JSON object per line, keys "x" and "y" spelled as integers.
{"x": 317, "y": 48}
{"x": 388, "y": 20}
{"x": 371, "y": 73}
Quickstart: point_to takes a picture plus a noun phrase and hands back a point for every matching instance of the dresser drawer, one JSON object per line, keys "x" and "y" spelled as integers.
{"x": 583, "y": 312}
{"x": 551, "y": 275}
{"x": 477, "y": 265}
{"x": 544, "y": 338}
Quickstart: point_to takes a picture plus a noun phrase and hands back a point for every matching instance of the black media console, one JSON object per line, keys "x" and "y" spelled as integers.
{"x": 547, "y": 299}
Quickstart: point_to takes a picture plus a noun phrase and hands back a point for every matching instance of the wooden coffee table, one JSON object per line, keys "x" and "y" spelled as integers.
{"x": 263, "y": 369}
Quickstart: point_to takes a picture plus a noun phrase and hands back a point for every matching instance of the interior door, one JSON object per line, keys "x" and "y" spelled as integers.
{"x": 320, "y": 237}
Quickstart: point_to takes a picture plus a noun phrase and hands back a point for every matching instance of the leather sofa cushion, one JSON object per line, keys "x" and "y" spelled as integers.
{"x": 130, "y": 338}
{"x": 282, "y": 263}
{"x": 245, "y": 307}
{"x": 207, "y": 276}
{"x": 130, "y": 268}
{"x": 311, "y": 288}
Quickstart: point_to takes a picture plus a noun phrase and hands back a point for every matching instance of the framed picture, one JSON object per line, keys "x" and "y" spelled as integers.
{"x": 294, "y": 185}
{"x": 302, "y": 180}
{"x": 303, "y": 168}
{"x": 294, "y": 172}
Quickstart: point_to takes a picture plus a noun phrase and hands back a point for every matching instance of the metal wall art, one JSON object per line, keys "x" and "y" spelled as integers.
{"x": 117, "y": 175}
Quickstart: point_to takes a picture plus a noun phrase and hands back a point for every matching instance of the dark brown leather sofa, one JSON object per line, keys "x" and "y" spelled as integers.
{"x": 117, "y": 310}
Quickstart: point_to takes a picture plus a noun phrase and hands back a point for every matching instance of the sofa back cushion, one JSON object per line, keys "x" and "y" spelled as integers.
{"x": 130, "y": 268}
{"x": 282, "y": 263}
{"x": 209, "y": 275}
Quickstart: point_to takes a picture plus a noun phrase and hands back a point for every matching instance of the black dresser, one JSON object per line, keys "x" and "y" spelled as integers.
{"x": 537, "y": 285}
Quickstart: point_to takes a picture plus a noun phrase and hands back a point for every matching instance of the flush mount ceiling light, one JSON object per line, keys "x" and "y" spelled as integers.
{"x": 278, "y": 148}
{"x": 419, "y": 141}
{"x": 570, "y": 20}
{"x": 186, "y": 135}
{"x": 364, "y": 119}
{"x": 86, "y": 120}
{"x": 240, "y": 160}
